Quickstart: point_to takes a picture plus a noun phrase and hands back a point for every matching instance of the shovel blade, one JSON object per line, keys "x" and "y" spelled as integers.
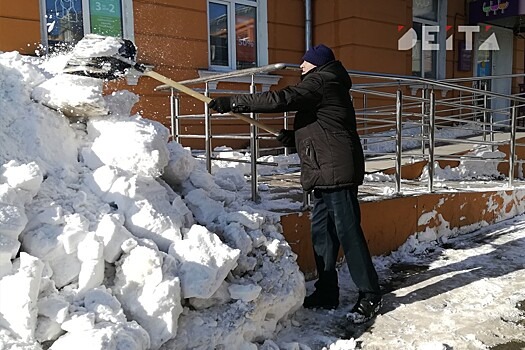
{"x": 101, "y": 57}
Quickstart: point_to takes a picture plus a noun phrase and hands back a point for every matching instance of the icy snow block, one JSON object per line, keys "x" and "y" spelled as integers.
{"x": 83, "y": 98}
{"x": 181, "y": 164}
{"x": 146, "y": 286}
{"x": 184, "y": 212}
{"x": 54, "y": 307}
{"x": 244, "y": 292}
{"x": 252, "y": 221}
{"x": 27, "y": 177}
{"x": 220, "y": 297}
{"x": 144, "y": 203}
{"x": 44, "y": 244}
{"x": 9, "y": 195}
{"x": 8, "y": 249}
{"x": 105, "y": 335}
{"x": 121, "y": 102}
{"x": 235, "y": 235}
{"x": 113, "y": 234}
{"x": 230, "y": 179}
{"x": 204, "y": 262}
{"x": 156, "y": 221}
{"x": 52, "y": 215}
{"x": 200, "y": 178}
{"x": 79, "y": 321}
{"x": 66, "y": 268}
{"x": 205, "y": 209}
{"x": 90, "y": 253}
{"x": 75, "y": 230}
{"x": 141, "y": 149}
{"x": 47, "y": 329}
{"x": 104, "y": 305}
{"x": 18, "y": 298}
{"x": 102, "y": 180}
{"x": 274, "y": 248}
{"x": 12, "y": 220}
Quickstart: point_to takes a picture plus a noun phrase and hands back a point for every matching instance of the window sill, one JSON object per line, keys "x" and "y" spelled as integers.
{"x": 265, "y": 80}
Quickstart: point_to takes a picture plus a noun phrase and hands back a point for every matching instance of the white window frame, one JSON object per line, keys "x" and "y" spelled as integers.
{"x": 262, "y": 32}
{"x": 128, "y": 30}
{"x": 441, "y": 54}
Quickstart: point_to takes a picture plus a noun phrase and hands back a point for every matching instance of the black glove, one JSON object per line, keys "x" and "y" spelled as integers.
{"x": 221, "y": 104}
{"x": 286, "y": 137}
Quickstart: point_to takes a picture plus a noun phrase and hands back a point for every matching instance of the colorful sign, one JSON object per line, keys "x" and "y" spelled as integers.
{"x": 484, "y": 10}
{"x": 500, "y": 6}
{"x": 106, "y": 17}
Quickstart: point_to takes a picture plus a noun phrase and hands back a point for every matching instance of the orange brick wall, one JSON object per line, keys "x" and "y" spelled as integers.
{"x": 19, "y": 26}
{"x": 440, "y": 213}
{"x": 172, "y": 36}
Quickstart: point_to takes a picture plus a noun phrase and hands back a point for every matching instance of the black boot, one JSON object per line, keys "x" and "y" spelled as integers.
{"x": 322, "y": 300}
{"x": 326, "y": 294}
{"x": 366, "y": 307}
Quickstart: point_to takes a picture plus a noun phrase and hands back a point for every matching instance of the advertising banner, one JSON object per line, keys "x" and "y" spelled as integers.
{"x": 106, "y": 17}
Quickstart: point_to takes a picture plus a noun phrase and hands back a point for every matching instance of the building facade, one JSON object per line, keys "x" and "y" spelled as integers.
{"x": 435, "y": 39}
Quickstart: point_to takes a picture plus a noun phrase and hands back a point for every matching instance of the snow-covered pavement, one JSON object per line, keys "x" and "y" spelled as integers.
{"x": 467, "y": 294}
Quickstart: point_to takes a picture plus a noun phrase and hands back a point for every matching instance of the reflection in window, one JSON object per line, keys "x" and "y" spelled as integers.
{"x": 425, "y": 9}
{"x": 67, "y": 21}
{"x": 64, "y": 20}
{"x": 233, "y": 33}
{"x": 424, "y": 62}
{"x": 246, "y": 36}
{"x": 218, "y": 34}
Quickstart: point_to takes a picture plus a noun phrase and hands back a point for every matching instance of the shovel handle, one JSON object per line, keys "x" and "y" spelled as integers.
{"x": 206, "y": 99}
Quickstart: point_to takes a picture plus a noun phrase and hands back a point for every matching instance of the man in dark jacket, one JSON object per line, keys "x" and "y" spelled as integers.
{"x": 332, "y": 165}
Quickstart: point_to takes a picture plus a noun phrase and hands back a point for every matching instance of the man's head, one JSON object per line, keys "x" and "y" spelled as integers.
{"x": 317, "y": 56}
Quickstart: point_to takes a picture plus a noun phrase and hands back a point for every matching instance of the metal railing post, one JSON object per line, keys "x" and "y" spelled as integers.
{"x": 254, "y": 146}
{"x": 285, "y": 126}
{"x": 207, "y": 131}
{"x": 485, "y": 112}
{"x": 175, "y": 113}
{"x": 424, "y": 94}
{"x": 431, "y": 141}
{"x": 307, "y": 201}
{"x": 172, "y": 113}
{"x": 399, "y": 144}
{"x": 365, "y": 124}
{"x": 512, "y": 152}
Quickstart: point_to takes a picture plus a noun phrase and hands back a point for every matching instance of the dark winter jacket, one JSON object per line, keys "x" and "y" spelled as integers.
{"x": 325, "y": 126}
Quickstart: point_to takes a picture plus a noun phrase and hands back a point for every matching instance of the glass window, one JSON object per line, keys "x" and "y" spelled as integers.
{"x": 246, "y": 36}
{"x": 219, "y": 35}
{"x": 426, "y": 9}
{"x": 424, "y": 60}
{"x": 67, "y": 21}
{"x": 233, "y": 33}
{"x": 64, "y": 22}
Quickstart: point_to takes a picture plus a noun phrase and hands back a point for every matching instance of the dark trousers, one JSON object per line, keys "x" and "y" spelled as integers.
{"x": 336, "y": 221}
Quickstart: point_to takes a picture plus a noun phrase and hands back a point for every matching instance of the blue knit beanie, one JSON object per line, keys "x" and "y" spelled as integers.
{"x": 319, "y": 55}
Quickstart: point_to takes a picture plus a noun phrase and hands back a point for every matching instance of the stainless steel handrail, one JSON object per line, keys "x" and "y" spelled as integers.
{"x": 413, "y": 111}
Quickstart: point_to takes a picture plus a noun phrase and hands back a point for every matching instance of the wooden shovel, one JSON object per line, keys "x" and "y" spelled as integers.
{"x": 206, "y": 99}
{"x": 91, "y": 60}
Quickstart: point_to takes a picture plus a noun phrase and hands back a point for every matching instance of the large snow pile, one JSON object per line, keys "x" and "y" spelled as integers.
{"x": 113, "y": 238}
